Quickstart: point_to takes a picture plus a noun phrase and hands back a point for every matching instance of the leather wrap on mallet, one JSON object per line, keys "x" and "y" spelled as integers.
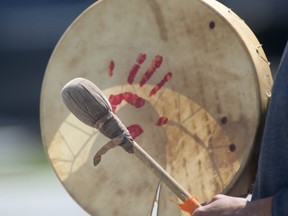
{"x": 86, "y": 101}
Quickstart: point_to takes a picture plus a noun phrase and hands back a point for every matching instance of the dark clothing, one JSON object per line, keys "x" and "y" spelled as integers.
{"x": 272, "y": 176}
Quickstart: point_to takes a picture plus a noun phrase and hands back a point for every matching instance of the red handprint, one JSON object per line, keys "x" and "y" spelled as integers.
{"x": 133, "y": 99}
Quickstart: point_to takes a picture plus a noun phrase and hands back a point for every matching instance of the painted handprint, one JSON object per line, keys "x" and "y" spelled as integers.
{"x": 132, "y": 98}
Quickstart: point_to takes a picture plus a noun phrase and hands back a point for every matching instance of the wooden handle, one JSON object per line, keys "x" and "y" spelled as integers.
{"x": 190, "y": 203}
{"x": 170, "y": 182}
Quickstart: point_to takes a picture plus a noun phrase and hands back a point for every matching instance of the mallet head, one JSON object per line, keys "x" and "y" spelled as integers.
{"x": 87, "y": 102}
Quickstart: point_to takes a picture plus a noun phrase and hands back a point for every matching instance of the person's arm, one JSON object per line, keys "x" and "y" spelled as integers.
{"x": 279, "y": 203}
{"x": 222, "y": 205}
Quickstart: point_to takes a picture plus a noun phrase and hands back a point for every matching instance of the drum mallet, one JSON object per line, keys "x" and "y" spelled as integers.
{"x": 86, "y": 101}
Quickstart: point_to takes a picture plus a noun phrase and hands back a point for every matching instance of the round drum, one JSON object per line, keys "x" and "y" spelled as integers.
{"x": 187, "y": 78}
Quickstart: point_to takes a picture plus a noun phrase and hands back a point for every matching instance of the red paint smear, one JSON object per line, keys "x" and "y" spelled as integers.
{"x": 115, "y": 99}
{"x": 133, "y": 73}
{"x": 156, "y": 88}
{"x": 133, "y": 99}
{"x": 155, "y": 64}
{"x": 157, "y": 61}
{"x": 141, "y": 58}
{"x": 134, "y": 70}
{"x": 129, "y": 97}
{"x": 111, "y": 68}
{"x": 161, "y": 121}
{"x": 135, "y": 130}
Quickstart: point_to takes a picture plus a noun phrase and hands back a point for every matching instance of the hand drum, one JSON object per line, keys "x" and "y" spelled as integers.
{"x": 190, "y": 82}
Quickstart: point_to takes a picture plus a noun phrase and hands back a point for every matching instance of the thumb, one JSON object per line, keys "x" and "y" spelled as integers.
{"x": 215, "y": 198}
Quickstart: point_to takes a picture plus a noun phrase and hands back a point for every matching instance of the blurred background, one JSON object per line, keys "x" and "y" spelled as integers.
{"x": 30, "y": 30}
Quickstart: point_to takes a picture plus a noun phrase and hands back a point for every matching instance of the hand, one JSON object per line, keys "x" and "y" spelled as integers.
{"x": 222, "y": 205}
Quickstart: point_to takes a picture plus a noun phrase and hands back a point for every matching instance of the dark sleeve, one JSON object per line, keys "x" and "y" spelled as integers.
{"x": 272, "y": 176}
{"x": 279, "y": 203}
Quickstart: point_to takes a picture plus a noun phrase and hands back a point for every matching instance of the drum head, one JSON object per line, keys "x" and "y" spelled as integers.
{"x": 202, "y": 79}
